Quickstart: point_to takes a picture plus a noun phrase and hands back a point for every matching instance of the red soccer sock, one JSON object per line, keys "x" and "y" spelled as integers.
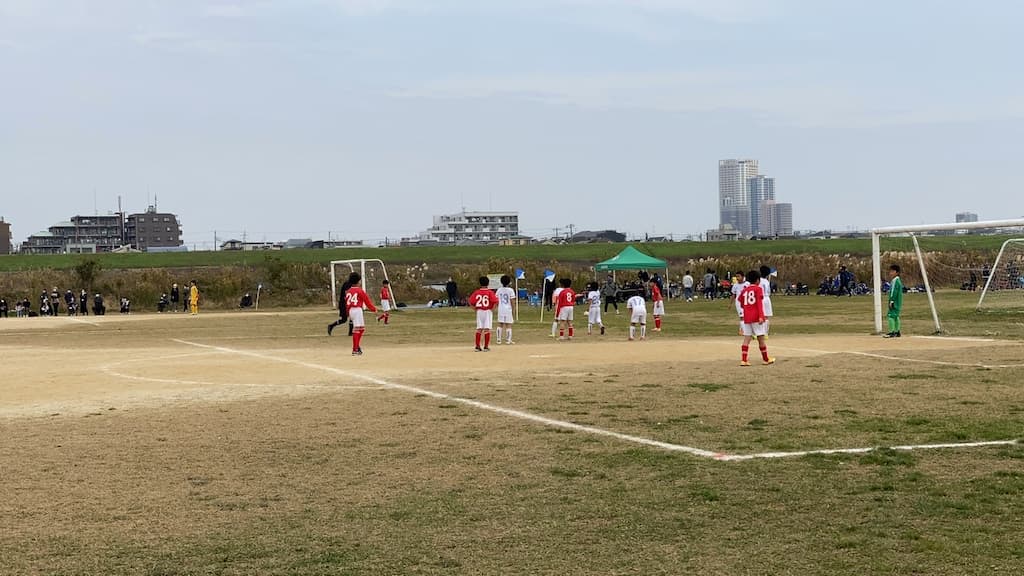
{"x": 487, "y": 339}
{"x": 764, "y": 353}
{"x": 478, "y": 339}
{"x": 571, "y": 330}
{"x": 657, "y": 322}
{"x": 387, "y": 317}
{"x": 561, "y": 332}
{"x": 357, "y": 338}
{"x": 746, "y": 352}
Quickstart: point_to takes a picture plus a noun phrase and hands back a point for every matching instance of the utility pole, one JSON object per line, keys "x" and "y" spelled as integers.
{"x": 571, "y": 227}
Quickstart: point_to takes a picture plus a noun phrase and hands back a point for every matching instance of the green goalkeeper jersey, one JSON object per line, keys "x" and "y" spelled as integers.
{"x": 896, "y": 295}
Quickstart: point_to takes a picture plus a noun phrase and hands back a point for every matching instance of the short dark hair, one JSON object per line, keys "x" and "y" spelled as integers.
{"x": 354, "y": 278}
{"x": 765, "y": 271}
{"x": 565, "y": 282}
{"x": 385, "y": 282}
{"x": 895, "y": 268}
{"x": 753, "y": 276}
{"x": 484, "y": 281}
{"x": 505, "y": 280}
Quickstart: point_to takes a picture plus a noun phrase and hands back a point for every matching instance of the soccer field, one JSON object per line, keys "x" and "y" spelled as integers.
{"x": 253, "y": 443}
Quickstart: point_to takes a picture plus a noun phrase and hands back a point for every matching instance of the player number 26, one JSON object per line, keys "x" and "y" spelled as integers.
{"x": 483, "y": 301}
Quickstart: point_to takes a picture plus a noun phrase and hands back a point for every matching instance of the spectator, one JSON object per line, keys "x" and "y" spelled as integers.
{"x": 175, "y": 296}
{"x": 98, "y": 307}
{"x": 452, "y": 289}
{"x": 83, "y": 303}
{"x": 162, "y": 303}
{"x": 688, "y": 287}
{"x": 3, "y": 308}
{"x": 710, "y": 284}
{"x": 611, "y": 294}
{"x": 246, "y": 301}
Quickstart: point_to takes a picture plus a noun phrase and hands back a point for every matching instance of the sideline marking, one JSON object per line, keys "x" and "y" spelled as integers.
{"x": 958, "y": 338}
{"x": 720, "y": 456}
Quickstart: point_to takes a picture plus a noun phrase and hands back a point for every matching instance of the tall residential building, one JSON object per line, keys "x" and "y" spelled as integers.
{"x": 152, "y": 229}
{"x": 470, "y": 227}
{"x": 5, "y": 237}
{"x": 761, "y": 189}
{"x": 734, "y": 193}
{"x": 776, "y": 219}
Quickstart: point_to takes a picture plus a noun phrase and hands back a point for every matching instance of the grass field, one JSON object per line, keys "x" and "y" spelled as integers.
{"x": 253, "y": 443}
{"x": 581, "y": 253}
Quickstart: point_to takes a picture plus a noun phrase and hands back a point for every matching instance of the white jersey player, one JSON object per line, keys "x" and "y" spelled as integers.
{"x": 637, "y": 316}
{"x": 766, "y": 289}
{"x": 506, "y": 296}
{"x": 594, "y": 307}
{"x": 554, "y": 303}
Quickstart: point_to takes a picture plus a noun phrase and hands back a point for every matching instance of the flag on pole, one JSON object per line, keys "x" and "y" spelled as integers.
{"x": 520, "y": 274}
{"x": 549, "y": 275}
{"x": 773, "y": 272}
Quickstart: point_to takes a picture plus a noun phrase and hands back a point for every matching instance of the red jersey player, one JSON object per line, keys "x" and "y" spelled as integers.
{"x": 659, "y": 304}
{"x": 385, "y": 302}
{"x": 751, "y": 299}
{"x": 564, "y": 308}
{"x": 483, "y": 300}
{"x": 355, "y": 300}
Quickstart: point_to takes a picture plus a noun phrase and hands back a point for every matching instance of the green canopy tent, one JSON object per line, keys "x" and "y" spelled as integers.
{"x": 631, "y": 259}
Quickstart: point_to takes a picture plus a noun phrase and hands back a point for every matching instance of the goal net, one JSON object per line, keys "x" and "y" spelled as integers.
{"x": 373, "y": 273}
{"x": 1002, "y": 283}
{"x": 948, "y": 265}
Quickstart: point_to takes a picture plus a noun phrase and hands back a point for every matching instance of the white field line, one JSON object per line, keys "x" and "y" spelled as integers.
{"x": 764, "y": 455}
{"x": 900, "y": 359}
{"x": 108, "y": 369}
{"x": 73, "y": 319}
{"x": 957, "y": 338}
{"x": 720, "y": 456}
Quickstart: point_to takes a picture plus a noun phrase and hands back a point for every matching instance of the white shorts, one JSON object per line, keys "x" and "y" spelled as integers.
{"x": 639, "y": 316}
{"x": 755, "y": 329}
{"x": 385, "y": 305}
{"x": 484, "y": 318}
{"x": 659, "y": 308}
{"x": 505, "y": 316}
{"x": 594, "y": 315}
{"x": 566, "y": 314}
{"x": 355, "y": 316}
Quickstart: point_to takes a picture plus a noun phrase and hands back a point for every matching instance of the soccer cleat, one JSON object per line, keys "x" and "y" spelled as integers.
{"x": 769, "y": 361}
{"x": 631, "y": 338}
{"x": 602, "y": 330}
{"x": 498, "y": 342}
{"x": 898, "y": 334}
{"x": 357, "y": 352}
{"x": 744, "y": 363}
{"x": 486, "y": 349}
{"x": 509, "y": 342}
{"x": 330, "y": 328}
{"x": 889, "y": 335}
{"x": 479, "y": 349}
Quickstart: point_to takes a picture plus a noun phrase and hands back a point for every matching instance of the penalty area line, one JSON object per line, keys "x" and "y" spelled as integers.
{"x": 551, "y": 422}
{"x": 468, "y": 402}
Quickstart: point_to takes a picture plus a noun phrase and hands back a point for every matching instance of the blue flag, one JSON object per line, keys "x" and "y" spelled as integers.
{"x": 549, "y": 275}
{"x": 520, "y": 274}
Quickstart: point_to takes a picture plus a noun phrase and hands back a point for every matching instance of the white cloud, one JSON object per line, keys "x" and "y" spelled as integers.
{"x": 223, "y": 11}
{"x": 773, "y": 101}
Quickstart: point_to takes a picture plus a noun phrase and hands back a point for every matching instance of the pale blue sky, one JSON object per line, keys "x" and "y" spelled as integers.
{"x": 363, "y": 118}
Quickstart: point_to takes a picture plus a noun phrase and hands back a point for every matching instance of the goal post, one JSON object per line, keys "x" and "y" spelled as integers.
{"x": 1011, "y": 278}
{"x": 352, "y": 265}
{"x": 913, "y": 231}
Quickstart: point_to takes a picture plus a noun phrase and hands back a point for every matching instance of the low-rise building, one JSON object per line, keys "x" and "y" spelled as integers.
{"x": 152, "y": 229}
{"x": 469, "y": 228}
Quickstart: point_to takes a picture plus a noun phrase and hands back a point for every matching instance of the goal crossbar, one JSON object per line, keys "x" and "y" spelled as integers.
{"x": 361, "y": 262}
{"x": 876, "y": 257}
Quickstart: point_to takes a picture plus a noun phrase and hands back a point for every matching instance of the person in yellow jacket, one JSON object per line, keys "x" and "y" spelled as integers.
{"x": 193, "y": 297}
